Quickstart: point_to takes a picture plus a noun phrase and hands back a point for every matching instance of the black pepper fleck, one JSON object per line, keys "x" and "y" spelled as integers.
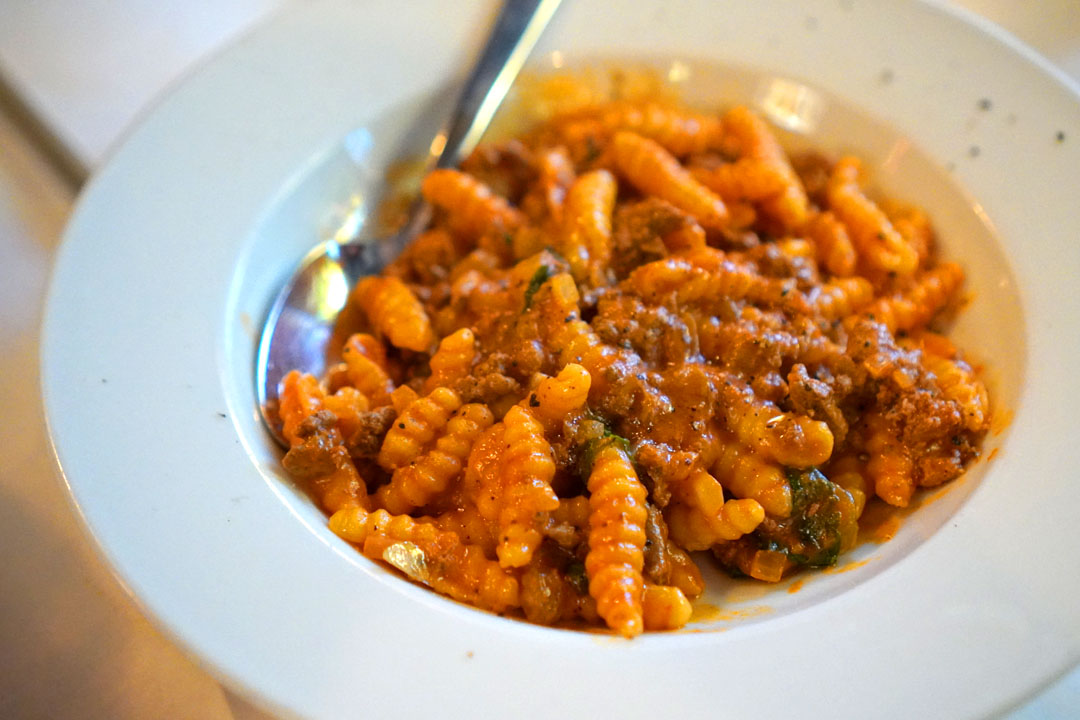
{"x": 974, "y": 151}
{"x": 1060, "y": 137}
{"x": 985, "y": 104}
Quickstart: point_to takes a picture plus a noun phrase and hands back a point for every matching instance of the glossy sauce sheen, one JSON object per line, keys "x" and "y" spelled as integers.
{"x": 634, "y": 333}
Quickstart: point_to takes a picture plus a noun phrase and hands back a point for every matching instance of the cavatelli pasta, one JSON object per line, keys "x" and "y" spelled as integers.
{"x": 300, "y": 398}
{"x": 753, "y": 139}
{"x": 876, "y": 241}
{"x": 958, "y": 383}
{"x": 629, "y": 335}
{"x": 366, "y": 368}
{"x": 586, "y": 241}
{"x": 748, "y": 475}
{"x": 664, "y": 608}
{"x": 915, "y": 307}
{"x": 654, "y": 171}
{"x": 416, "y": 426}
{"x": 849, "y": 472}
{"x": 430, "y": 556}
{"x": 471, "y": 208}
{"x": 616, "y": 540}
{"x": 349, "y": 407}
{"x": 678, "y": 131}
{"x": 746, "y": 179}
{"x": 702, "y": 518}
{"x": 725, "y": 281}
{"x": 832, "y": 244}
{"x": 555, "y": 399}
{"x": 453, "y": 360}
{"x": 790, "y": 439}
{"x": 527, "y": 469}
{"x": 890, "y": 465}
{"x": 395, "y": 312}
{"x": 417, "y": 483}
{"x": 842, "y": 297}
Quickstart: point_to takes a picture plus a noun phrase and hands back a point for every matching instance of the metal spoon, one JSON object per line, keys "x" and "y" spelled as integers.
{"x": 301, "y": 321}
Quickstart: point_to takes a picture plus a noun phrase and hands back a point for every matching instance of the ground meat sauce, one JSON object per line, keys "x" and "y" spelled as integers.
{"x": 634, "y": 333}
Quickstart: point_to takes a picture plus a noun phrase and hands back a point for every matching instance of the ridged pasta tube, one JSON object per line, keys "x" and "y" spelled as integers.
{"x": 429, "y": 555}
{"x": 755, "y": 140}
{"x": 748, "y": 475}
{"x": 416, "y": 426}
{"x": 556, "y": 399}
{"x": 300, "y": 397}
{"x": 680, "y": 132}
{"x": 471, "y": 207}
{"x": 664, "y": 607}
{"x": 916, "y": 306}
{"x": 527, "y": 468}
{"x": 416, "y": 484}
{"x": 842, "y": 297}
{"x": 616, "y": 540}
{"x": 690, "y": 283}
{"x": 453, "y": 360}
{"x": 654, "y": 171}
{"x": 958, "y": 383}
{"x": 890, "y": 466}
{"x": 832, "y": 244}
{"x": 395, "y": 312}
{"x": 586, "y": 235}
{"x": 790, "y": 439}
{"x": 879, "y": 246}
{"x": 365, "y": 372}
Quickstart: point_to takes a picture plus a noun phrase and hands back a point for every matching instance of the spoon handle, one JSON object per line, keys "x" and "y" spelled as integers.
{"x": 516, "y": 31}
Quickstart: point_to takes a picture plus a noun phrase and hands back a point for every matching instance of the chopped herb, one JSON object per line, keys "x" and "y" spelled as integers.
{"x": 538, "y": 279}
{"x": 508, "y": 238}
{"x": 822, "y": 522}
{"x": 591, "y": 150}
{"x": 575, "y": 573}
{"x": 593, "y": 447}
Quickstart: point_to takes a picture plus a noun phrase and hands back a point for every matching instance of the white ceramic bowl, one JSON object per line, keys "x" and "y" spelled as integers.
{"x": 181, "y": 240}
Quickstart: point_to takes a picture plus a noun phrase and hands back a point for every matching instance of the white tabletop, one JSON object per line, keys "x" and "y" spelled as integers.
{"x": 72, "y": 642}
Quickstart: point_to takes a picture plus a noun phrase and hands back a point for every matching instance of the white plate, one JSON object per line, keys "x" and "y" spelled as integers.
{"x": 180, "y": 241}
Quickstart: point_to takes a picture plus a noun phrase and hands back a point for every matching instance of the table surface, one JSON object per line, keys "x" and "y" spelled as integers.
{"x": 73, "y": 644}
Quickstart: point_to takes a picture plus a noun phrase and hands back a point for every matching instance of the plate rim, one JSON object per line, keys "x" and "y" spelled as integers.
{"x": 162, "y": 106}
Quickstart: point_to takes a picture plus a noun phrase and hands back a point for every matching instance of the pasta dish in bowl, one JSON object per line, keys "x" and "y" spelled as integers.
{"x": 633, "y": 333}
{"x": 970, "y": 601}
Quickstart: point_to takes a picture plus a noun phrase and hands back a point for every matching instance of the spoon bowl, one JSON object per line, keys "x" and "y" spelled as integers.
{"x": 300, "y": 327}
